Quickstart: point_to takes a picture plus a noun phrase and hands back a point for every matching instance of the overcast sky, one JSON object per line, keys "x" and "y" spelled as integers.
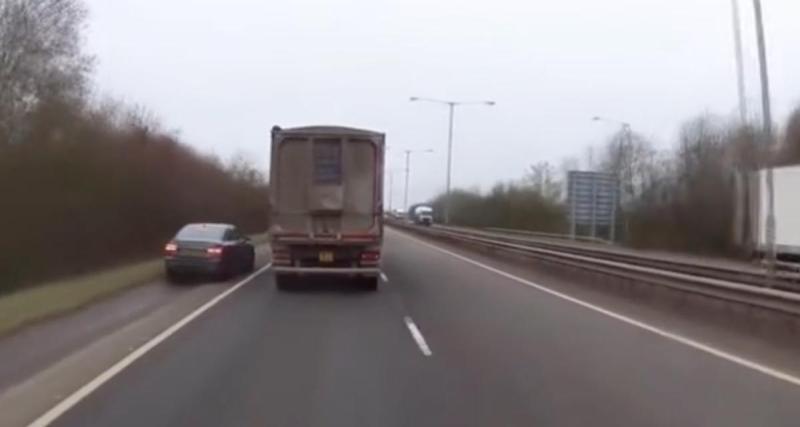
{"x": 225, "y": 72}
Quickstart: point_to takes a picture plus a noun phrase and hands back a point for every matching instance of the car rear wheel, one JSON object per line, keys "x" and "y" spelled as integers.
{"x": 173, "y": 276}
{"x": 224, "y": 270}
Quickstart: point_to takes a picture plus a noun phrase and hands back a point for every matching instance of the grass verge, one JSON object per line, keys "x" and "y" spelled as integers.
{"x": 51, "y": 299}
{"x": 59, "y": 297}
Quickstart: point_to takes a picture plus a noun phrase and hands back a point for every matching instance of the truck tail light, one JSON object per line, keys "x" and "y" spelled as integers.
{"x": 214, "y": 251}
{"x": 281, "y": 256}
{"x": 170, "y": 249}
{"x": 370, "y": 257}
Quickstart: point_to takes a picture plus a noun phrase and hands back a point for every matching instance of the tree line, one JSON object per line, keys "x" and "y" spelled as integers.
{"x": 681, "y": 198}
{"x": 88, "y": 183}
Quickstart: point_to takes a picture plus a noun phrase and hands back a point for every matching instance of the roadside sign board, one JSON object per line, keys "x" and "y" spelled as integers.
{"x": 592, "y": 198}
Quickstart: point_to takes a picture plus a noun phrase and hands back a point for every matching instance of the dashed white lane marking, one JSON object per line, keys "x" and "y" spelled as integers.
{"x": 80, "y": 394}
{"x": 741, "y": 361}
{"x": 417, "y": 335}
{"x": 384, "y": 278}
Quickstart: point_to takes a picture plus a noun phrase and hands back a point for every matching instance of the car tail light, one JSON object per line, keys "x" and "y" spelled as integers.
{"x": 170, "y": 248}
{"x": 370, "y": 256}
{"x": 214, "y": 251}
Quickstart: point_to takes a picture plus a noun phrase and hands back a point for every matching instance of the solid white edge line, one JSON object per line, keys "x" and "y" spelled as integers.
{"x": 417, "y": 335}
{"x": 766, "y": 370}
{"x": 80, "y": 394}
{"x": 384, "y": 278}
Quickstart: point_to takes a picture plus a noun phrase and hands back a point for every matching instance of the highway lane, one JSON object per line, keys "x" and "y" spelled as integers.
{"x": 502, "y": 354}
{"x": 37, "y": 347}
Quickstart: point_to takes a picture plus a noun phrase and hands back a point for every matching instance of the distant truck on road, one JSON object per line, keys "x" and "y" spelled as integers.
{"x": 752, "y": 209}
{"x": 326, "y": 201}
{"x": 421, "y": 214}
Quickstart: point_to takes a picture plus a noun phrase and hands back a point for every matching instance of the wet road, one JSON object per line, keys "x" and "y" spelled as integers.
{"x": 444, "y": 342}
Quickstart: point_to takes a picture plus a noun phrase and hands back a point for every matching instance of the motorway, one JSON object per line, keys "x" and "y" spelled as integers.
{"x": 444, "y": 342}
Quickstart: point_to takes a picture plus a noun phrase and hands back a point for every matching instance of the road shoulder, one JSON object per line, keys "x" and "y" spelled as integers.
{"x": 48, "y": 360}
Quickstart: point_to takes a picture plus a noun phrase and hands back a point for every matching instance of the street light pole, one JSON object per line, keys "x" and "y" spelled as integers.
{"x": 451, "y": 106}
{"x": 391, "y": 188}
{"x": 767, "y": 118}
{"x": 737, "y": 44}
{"x": 408, "y": 173}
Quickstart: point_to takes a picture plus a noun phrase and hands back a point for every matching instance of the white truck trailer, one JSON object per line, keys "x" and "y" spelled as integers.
{"x": 751, "y": 215}
{"x": 326, "y": 201}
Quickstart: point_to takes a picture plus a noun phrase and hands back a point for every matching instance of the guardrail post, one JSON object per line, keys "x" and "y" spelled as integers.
{"x": 570, "y": 185}
{"x": 612, "y": 232}
{"x": 594, "y": 209}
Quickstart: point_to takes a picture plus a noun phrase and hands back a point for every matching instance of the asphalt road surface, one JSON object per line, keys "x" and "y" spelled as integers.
{"x": 443, "y": 343}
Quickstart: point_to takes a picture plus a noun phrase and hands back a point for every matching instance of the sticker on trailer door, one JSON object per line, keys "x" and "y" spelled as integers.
{"x": 326, "y": 257}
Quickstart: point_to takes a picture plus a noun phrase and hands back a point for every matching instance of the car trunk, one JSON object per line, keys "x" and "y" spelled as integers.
{"x": 193, "y": 248}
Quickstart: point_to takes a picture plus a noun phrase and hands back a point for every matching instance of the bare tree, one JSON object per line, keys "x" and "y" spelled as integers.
{"x": 589, "y": 158}
{"x": 567, "y": 164}
{"x": 542, "y": 176}
{"x": 687, "y": 195}
{"x": 701, "y": 150}
{"x": 241, "y": 169}
{"x": 745, "y": 150}
{"x": 790, "y": 152}
{"x": 40, "y": 57}
{"x": 630, "y": 157}
{"x": 141, "y": 119}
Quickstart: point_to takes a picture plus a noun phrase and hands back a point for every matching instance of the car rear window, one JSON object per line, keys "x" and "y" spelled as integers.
{"x": 201, "y": 232}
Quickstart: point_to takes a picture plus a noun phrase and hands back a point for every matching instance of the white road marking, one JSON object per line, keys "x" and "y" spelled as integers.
{"x": 741, "y": 361}
{"x": 80, "y": 394}
{"x": 417, "y": 335}
{"x": 384, "y": 278}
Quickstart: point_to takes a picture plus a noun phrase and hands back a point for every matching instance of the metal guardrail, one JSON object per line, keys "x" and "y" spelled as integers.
{"x": 743, "y": 286}
{"x": 546, "y": 235}
{"x": 745, "y": 274}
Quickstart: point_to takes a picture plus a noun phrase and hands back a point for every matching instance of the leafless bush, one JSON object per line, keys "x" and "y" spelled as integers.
{"x": 513, "y": 205}
{"x": 689, "y": 205}
{"x": 83, "y": 185}
{"x": 99, "y": 195}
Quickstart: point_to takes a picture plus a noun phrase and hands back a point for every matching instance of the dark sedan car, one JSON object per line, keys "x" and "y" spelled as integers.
{"x": 219, "y": 250}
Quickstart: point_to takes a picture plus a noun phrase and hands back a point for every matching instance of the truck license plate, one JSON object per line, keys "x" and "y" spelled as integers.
{"x": 326, "y": 256}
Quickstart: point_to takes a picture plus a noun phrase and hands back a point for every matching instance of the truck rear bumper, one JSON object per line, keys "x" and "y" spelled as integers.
{"x": 353, "y": 271}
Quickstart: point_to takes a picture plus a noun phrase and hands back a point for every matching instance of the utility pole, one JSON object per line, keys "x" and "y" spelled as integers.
{"x": 767, "y": 118}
